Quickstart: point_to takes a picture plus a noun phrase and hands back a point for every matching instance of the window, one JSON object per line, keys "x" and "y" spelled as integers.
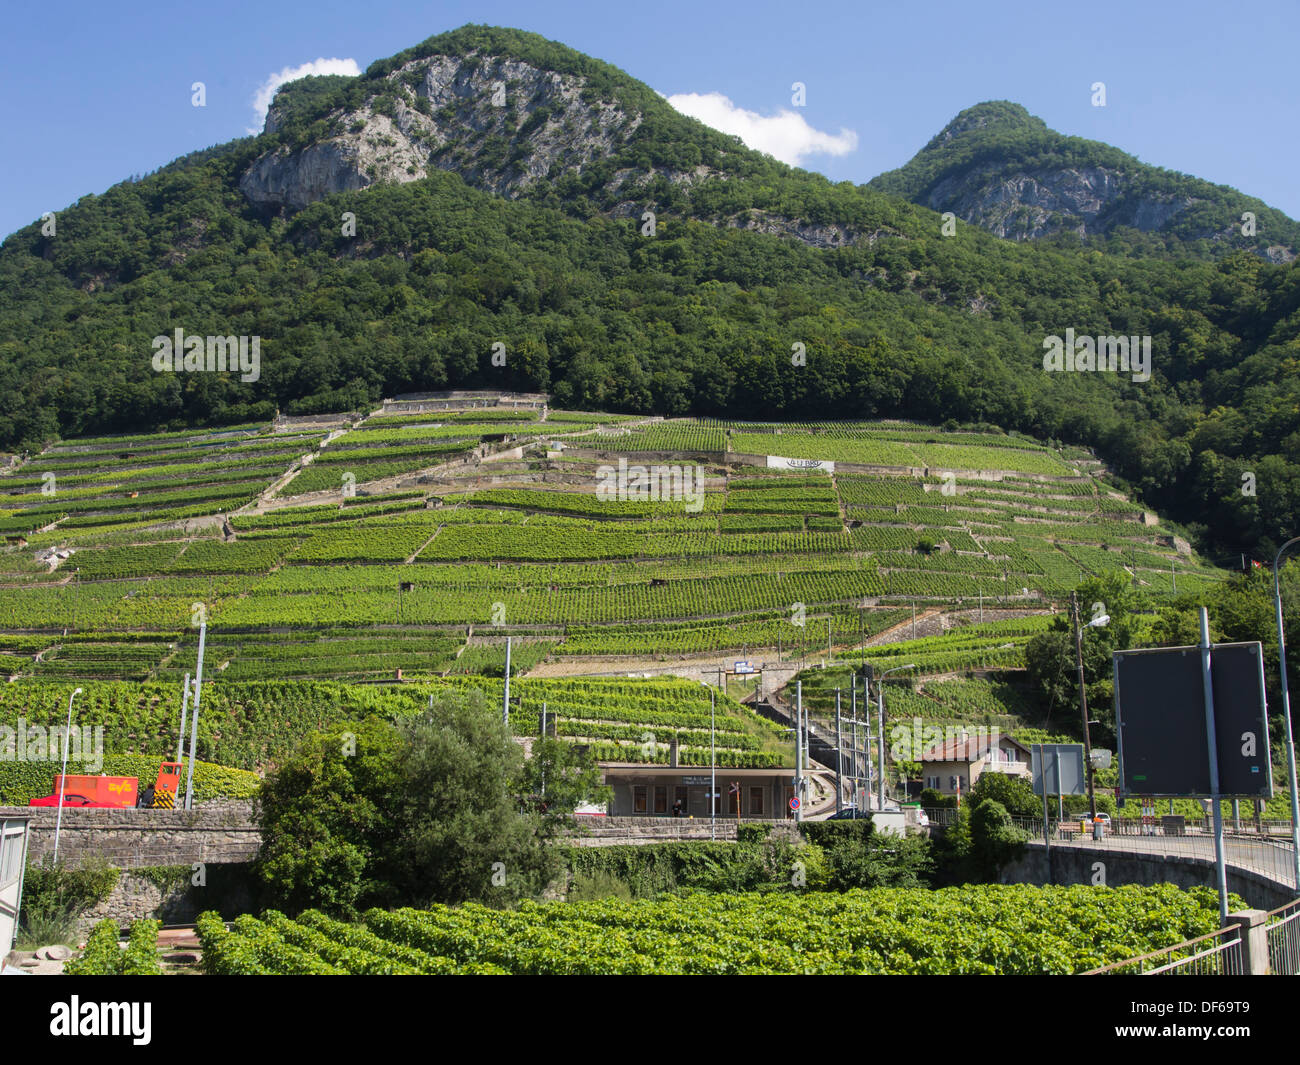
{"x": 661, "y": 799}
{"x": 755, "y": 802}
{"x": 679, "y": 794}
{"x": 638, "y": 799}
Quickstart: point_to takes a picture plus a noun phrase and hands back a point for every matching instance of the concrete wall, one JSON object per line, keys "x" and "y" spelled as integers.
{"x": 1075, "y": 865}
{"x": 214, "y": 832}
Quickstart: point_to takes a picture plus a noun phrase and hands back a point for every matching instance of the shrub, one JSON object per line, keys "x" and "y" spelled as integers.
{"x": 54, "y": 894}
{"x": 101, "y": 955}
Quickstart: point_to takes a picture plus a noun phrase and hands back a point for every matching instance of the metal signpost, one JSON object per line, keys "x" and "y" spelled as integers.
{"x": 1057, "y": 769}
{"x": 1192, "y": 723}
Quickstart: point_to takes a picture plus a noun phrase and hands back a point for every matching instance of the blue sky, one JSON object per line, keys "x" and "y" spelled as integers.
{"x": 91, "y": 96}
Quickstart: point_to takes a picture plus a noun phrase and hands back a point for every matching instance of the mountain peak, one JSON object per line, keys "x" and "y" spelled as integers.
{"x": 990, "y": 115}
{"x": 998, "y": 167}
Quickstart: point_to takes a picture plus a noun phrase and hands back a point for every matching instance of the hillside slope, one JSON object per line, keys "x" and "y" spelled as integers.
{"x": 521, "y": 261}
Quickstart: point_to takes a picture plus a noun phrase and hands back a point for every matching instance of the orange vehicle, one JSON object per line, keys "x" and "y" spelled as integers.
{"x": 168, "y": 785}
{"x": 96, "y": 790}
{"x": 124, "y": 792}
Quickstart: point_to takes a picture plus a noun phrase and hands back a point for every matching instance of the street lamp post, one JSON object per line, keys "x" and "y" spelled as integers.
{"x": 1083, "y": 695}
{"x": 1286, "y": 711}
{"x": 880, "y": 728}
{"x": 63, "y": 775}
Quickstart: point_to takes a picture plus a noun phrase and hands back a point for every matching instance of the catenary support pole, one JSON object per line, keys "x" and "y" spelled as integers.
{"x": 194, "y": 718}
{"x": 1286, "y": 714}
{"x": 185, "y": 706}
{"x": 839, "y": 757}
{"x": 1221, "y": 869}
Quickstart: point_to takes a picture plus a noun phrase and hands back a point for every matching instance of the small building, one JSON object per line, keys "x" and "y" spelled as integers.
{"x": 958, "y": 763}
{"x": 654, "y": 790}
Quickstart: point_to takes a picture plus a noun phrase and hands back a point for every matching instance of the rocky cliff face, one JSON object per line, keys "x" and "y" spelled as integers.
{"x": 1038, "y": 203}
{"x": 499, "y": 122}
{"x": 1000, "y": 168}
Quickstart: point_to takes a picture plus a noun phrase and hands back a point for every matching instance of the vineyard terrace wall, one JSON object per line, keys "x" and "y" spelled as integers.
{"x": 222, "y": 831}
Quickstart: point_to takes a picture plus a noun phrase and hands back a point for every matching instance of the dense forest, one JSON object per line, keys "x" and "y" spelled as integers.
{"x": 699, "y": 318}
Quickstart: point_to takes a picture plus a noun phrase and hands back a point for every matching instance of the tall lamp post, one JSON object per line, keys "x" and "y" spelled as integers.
{"x": 880, "y": 728}
{"x": 1095, "y": 623}
{"x": 1286, "y": 710}
{"x": 63, "y": 775}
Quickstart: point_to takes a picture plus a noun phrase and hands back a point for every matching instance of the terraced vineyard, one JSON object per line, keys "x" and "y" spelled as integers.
{"x": 250, "y": 725}
{"x": 467, "y": 525}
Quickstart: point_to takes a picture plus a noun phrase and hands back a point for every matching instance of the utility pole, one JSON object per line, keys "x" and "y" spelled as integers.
{"x": 505, "y": 701}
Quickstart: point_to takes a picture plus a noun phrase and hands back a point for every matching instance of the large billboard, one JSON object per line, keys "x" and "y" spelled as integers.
{"x": 1160, "y": 721}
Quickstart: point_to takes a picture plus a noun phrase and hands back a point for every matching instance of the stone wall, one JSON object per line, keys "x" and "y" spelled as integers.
{"x": 221, "y": 831}
{"x": 1075, "y": 865}
{"x": 173, "y": 899}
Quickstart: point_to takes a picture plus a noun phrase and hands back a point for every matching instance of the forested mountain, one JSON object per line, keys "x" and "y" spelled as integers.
{"x": 497, "y": 184}
{"x": 997, "y": 166}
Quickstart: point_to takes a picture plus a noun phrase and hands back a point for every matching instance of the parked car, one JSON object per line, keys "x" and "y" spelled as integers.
{"x": 849, "y": 813}
{"x": 72, "y": 800}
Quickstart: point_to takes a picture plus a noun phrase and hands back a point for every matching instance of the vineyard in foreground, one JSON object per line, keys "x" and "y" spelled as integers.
{"x": 989, "y": 929}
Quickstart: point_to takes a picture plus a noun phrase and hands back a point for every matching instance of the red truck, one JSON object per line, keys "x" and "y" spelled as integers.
{"x": 114, "y": 792}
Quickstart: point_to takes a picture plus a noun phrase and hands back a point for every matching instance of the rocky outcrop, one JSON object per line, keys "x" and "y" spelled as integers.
{"x": 1038, "y": 203}
{"x": 499, "y": 122}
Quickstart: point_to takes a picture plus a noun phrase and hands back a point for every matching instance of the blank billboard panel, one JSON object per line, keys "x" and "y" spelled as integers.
{"x": 1160, "y": 722}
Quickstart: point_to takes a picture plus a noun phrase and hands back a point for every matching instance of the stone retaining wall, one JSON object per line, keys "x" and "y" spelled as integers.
{"x": 221, "y": 831}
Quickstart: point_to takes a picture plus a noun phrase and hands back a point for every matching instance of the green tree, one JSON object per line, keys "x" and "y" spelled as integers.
{"x": 320, "y": 820}
{"x": 1015, "y": 794}
{"x": 995, "y": 839}
{"x": 437, "y": 807}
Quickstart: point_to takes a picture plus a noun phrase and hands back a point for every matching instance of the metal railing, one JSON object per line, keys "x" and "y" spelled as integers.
{"x": 1283, "y": 929}
{"x": 1216, "y": 954}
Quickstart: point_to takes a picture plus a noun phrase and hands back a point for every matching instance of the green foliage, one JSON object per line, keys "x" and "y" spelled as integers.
{"x": 20, "y": 782}
{"x": 141, "y": 955}
{"x": 1009, "y": 929}
{"x": 54, "y": 894}
{"x": 995, "y": 840}
{"x": 600, "y": 884}
{"x": 101, "y": 956}
{"x": 1014, "y": 794}
{"x": 439, "y": 806}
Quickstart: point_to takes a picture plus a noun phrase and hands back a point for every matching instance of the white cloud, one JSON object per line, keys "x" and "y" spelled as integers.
{"x": 266, "y": 92}
{"x": 785, "y": 135}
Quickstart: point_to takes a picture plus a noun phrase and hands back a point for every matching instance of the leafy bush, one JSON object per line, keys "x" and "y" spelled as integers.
{"x": 101, "y": 956}
{"x": 54, "y": 894}
{"x": 141, "y": 955}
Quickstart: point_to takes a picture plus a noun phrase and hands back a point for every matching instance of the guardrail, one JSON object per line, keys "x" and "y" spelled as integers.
{"x": 1216, "y": 954}
{"x": 1282, "y": 927}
